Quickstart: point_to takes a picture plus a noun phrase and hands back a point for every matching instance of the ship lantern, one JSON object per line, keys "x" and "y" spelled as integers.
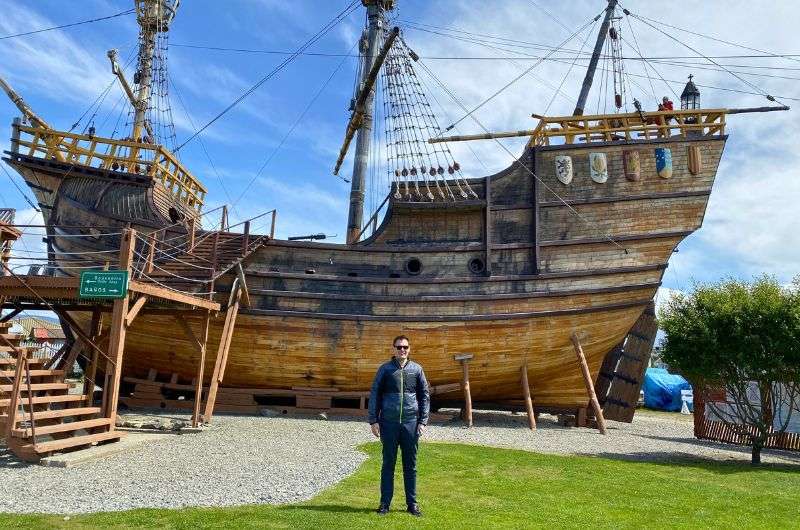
{"x": 690, "y": 97}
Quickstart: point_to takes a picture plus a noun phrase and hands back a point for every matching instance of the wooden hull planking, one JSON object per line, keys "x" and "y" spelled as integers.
{"x": 324, "y": 315}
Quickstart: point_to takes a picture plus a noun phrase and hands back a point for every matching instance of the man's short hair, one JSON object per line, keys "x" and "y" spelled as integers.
{"x": 400, "y": 337}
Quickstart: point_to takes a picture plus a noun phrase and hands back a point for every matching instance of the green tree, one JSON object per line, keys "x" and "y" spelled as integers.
{"x": 743, "y": 338}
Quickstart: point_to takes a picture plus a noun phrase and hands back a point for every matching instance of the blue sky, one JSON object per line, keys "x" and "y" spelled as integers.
{"x": 751, "y": 224}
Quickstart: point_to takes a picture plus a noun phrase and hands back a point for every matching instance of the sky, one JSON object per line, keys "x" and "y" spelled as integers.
{"x": 247, "y": 158}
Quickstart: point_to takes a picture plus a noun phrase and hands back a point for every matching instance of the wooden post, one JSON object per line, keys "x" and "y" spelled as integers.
{"x": 488, "y": 225}
{"x": 222, "y": 354}
{"x": 200, "y": 346}
{"x": 118, "y": 332}
{"x": 587, "y": 380}
{"x": 151, "y": 253}
{"x": 467, "y": 414}
{"x": 223, "y": 222}
{"x": 13, "y": 402}
{"x": 246, "y": 238}
{"x": 192, "y": 229}
{"x": 526, "y": 394}
{"x": 272, "y": 225}
{"x": 91, "y": 370}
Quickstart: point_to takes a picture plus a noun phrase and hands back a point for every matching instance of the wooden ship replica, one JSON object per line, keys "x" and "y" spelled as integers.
{"x": 496, "y": 279}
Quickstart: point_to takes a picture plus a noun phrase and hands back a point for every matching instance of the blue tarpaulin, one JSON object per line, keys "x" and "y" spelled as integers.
{"x": 662, "y": 390}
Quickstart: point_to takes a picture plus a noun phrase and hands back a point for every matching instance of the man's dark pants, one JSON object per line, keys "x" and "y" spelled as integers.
{"x": 394, "y": 434}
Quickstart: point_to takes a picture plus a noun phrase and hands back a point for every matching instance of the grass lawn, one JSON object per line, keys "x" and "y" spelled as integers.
{"x": 464, "y": 486}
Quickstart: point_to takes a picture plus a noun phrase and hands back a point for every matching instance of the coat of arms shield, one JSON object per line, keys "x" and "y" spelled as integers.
{"x": 695, "y": 160}
{"x": 564, "y": 169}
{"x": 663, "y": 162}
{"x": 633, "y": 167}
{"x": 598, "y": 167}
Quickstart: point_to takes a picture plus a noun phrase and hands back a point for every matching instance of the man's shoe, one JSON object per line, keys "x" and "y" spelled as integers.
{"x": 383, "y": 509}
{"x": 413, "y": 509}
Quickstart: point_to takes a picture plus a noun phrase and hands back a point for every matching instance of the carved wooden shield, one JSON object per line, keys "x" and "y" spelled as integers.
{"x": 663, "y": 162}
{"x": 695, "y": 160}
{"x": 633, "y": 168}
{"x": 564, "y": 169}
{"x": 598, "y": 167}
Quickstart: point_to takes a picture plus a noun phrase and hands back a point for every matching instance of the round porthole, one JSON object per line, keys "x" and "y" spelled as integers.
{"x": 413, "y": 266}
{"x": 477, "y": 266}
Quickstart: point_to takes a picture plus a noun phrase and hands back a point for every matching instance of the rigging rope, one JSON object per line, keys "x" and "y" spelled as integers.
{"x": 73, "y": 24}
{"x": 517, "y": 160}
{"x": 293, "y": 127}
{"x": 745, "y": 81}
{"x": 523, "y": 74}
{"x": 352, "y": 6}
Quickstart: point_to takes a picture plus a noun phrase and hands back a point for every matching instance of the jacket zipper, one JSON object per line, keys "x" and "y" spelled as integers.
{"x": 402, "y": 391}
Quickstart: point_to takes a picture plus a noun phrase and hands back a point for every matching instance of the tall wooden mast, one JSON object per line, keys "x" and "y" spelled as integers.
{"x": 369, "y": 51}
{"x": 153, "y": 16}
{"x": 598, "y": 47}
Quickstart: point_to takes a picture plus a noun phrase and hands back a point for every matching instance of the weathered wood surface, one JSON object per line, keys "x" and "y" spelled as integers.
{"x": 322, "y": 315}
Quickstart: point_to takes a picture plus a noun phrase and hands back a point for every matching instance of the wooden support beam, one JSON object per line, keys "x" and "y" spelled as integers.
{"x": 198, "y": 380}
{"x": 14, "y": 312}
{"x": 160, "y": 292}
{"x": 243, "y": 285}
{"x": 467, "y": 412}
{"x": 526, "y": 394}
{"x": 222, "y": 353}
{"x": 91, "y": 370}
{"x": 118, "y": 332}
{"x": 587, "y": 380}
{"x": 134, "y": 310}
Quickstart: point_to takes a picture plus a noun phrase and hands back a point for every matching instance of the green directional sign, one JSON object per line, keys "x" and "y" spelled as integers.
{"x": 103, "y": 284}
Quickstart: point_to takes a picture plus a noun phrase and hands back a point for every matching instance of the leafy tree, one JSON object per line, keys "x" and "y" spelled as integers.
{"x": 743, "y": 338}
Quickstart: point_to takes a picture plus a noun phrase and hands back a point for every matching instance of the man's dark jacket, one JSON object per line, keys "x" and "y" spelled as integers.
{"x": 399, "y": 394}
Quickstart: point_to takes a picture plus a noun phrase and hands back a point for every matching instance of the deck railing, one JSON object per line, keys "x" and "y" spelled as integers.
{"x": 629, "y": 126}
{"x": 7, "y": 215}
{"x": 111, "y": 154}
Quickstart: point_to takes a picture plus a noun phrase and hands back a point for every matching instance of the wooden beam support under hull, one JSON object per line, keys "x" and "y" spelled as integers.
{"x": 200, "y": 346}
{"x": 222, "y": 354}
{"x": 587, "y": 379}
{"x": 526, "y": 395}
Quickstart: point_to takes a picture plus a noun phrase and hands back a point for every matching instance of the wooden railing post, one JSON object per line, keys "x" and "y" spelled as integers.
{"x": 151, "y": 253}
{"x": 192, "y": 230}
{"x": 13, "y": 403}
{"x": 223, "y": 222}
{"x": 246, "y": 238}
{"x": 272, "y": 226}
{"x": 31, "y": 419}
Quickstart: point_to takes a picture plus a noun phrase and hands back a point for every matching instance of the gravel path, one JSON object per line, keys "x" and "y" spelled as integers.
{"x": 257, "y": 460}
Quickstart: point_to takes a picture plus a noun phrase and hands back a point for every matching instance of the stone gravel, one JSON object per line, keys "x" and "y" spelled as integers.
{"x": 275, "y": 460}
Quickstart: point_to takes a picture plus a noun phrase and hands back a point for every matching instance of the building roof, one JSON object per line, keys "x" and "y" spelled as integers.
{"x": 28, "y": 323}
{"x": 690, "y": 89}
{"x": 47, "y": 334}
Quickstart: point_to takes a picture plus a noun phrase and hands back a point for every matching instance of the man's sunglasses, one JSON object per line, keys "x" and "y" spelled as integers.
{"x": 402, "y": 347}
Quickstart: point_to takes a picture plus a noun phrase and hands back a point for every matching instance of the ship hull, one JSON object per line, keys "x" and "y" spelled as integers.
{"x": 584, "y": 258}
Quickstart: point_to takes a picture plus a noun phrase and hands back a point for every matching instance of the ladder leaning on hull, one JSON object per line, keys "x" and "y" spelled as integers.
{"x": 622, "y": 373}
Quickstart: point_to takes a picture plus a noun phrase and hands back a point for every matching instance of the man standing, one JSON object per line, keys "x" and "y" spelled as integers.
{"x": 399, "y": 405}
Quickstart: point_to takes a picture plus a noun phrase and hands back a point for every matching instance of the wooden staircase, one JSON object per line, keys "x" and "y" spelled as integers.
{"x": 214, "y": 254}
{"x": 38, "y": 415}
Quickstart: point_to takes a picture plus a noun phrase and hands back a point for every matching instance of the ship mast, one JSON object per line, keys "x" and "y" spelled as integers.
{"x": 598, "y": 47}
{"x": 370, "y": 48}
{"x": 153, "y": 16}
